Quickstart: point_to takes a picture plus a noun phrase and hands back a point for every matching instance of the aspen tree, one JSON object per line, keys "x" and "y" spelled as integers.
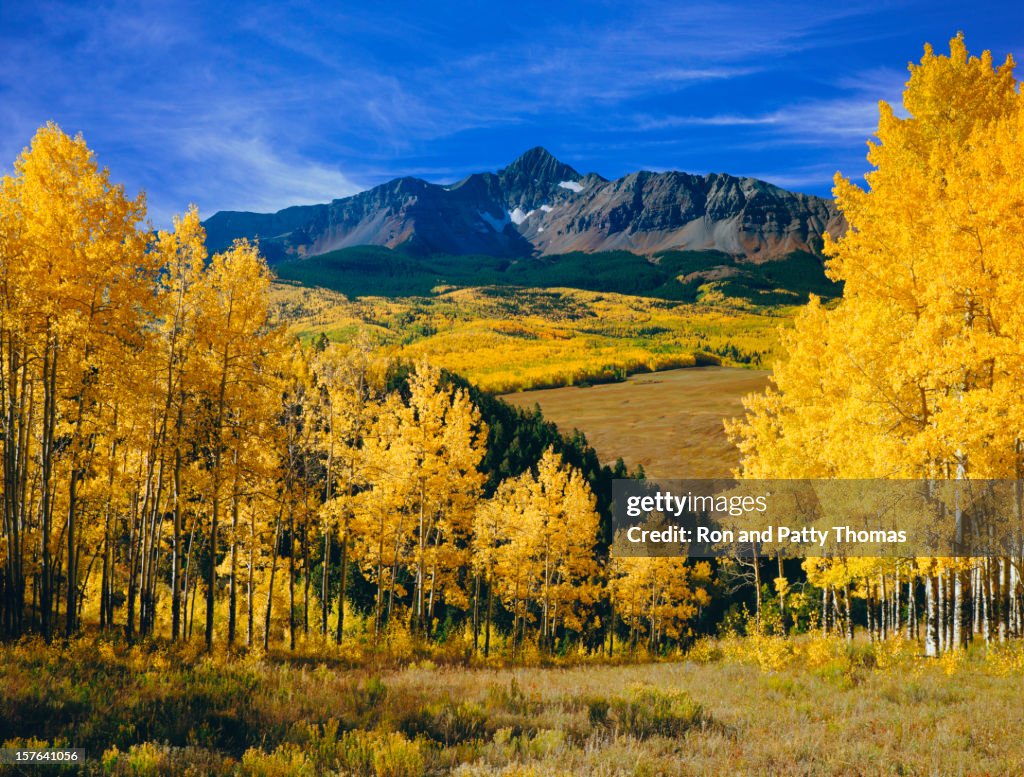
{"x": 537, "y": 539}
{"x": 74, "y": 282}
{"x": 916, "y": 372}
{"x": 232, "y": 340}
{"x": 350, "y": 384}
{"x": 658, "y": 596}
{"x": 182, "y": 254}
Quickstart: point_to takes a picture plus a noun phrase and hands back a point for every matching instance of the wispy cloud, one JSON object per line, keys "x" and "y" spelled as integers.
{"x": 816, "y": 122}
{"x": 251, "y": 175}
{"x": 264, "y": 104}
{"x": 798, "y": 178}
{"x": 851, "y": 116}
{"x": 649, "y": 122}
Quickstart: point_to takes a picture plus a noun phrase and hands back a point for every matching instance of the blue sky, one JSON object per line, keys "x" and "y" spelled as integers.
{"x": 263, "y": 105}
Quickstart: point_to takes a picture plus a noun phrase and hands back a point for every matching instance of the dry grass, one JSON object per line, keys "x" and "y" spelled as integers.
{"x": 669, "y": 422}
{"x": 754, "y": 706}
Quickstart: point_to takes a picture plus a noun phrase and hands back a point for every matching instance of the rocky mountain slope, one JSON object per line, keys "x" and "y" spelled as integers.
{"x": 541, "y": 206}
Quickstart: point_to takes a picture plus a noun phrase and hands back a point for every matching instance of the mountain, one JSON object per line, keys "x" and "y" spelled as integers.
{"x": 541, "y": 206}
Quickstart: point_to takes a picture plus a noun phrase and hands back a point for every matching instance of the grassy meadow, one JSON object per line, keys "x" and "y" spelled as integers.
{"x": 753, "y": 706}
{"x": 669, "y": 423}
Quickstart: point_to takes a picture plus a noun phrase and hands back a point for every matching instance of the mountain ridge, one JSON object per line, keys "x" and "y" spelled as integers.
{"x": 539, "y": 206}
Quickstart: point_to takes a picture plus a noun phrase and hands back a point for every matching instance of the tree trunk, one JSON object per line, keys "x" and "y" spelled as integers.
{"x": 824, "y": 611}
{"x": 250, "y": 587}
{"x": 611, "y": 630}
{"x": 1004, "y": 608}
{"x": 476, "y": 612}
{"x": 341, "y": 588}
{"x": 233, "y": 582}
{"x": 325, "y": 594}
{"x": 490, "y": 612}
{"x": 270, "y": 587}
{"x": 932, "y": 630}
{"x": 291, "y": 578}
{"x": 72, "y": 609}
{"x": 211, "y": 580}
{"x": 848, "y": 613}
{"x": 176, "y": 546}
{"x": 757, "y": 585}
{"x": 782, "y": 594}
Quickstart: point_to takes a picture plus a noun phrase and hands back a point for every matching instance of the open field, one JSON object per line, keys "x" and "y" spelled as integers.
{"x": 669, "y": 422}
{"x": 740, "y": 707}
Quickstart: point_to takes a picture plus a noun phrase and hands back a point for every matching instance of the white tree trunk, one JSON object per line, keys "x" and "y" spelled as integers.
{"x": 931, "y": 631}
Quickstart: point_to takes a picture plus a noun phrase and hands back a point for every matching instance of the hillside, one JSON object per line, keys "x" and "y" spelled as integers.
{"x": 539, "y": 206}
{"x": 683, "y": 276}
{"x": 509, "y": 339}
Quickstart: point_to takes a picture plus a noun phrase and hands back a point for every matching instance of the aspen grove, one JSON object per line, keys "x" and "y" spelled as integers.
{"x": 174, "y": 465}
{"x": 177, "y": 465}
{"x": 917, "y": 372}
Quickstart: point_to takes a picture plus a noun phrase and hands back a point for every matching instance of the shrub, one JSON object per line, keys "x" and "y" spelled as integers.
{"x": 649, "y": 711}
{"x": 148, "y": 759}
{"x": 597, "y": 710}
{"x": 286, "y": 760}
{"x": 373, "y": 754}
{"x": 770, "y": 653}
{"x": 366, "y": 699}
{"x": 704, "y": 651}
{"x": 447, "y": 722}
{"x": 512, "y": 699}
{"x": 358, "y": 753}
{"x": 1005, "y": 658}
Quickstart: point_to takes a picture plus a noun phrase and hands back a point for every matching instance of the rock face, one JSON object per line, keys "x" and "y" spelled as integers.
{"x": 538, "y": 205}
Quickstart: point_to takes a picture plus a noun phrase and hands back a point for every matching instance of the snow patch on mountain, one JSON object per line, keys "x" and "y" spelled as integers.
{"x": 498, "y": 225}
{"x": 572, "y": 186}
{"x": 518, "y": 216}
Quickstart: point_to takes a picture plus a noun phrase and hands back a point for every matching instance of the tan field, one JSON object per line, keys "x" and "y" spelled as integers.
{"x": 670, "y": 422}
{"x": 762, "y": 706}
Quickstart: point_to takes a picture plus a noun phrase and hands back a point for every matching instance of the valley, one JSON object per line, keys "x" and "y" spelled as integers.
{"x": 537, "y": 276}
{"x": 507, "y": 339}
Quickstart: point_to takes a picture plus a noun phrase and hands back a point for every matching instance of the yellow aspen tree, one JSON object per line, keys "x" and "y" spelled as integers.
{"x": 427, "y": 450}
{"x": 568, "y": 538}
{"x": 495, "y": 523}
{"x": 350, "y": 383}
{"x": 182, "y": 254}
{"x": 537, "y": 539}
{"x": 508, "y": 534}
{"x": 382, "y": 536}
{"x": 916, "y": 371}
{"x": 76, "y": 274}
{"x": 659, "y": 596}
{"x": 233, "y": 339}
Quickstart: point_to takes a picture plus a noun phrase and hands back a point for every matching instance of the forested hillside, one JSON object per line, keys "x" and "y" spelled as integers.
{"x": 175, "y": 463}
{"x": 682, "y": 276}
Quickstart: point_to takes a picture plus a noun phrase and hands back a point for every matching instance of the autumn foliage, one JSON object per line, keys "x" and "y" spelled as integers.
{"x": 176, "y": 464}
{"x": 917, "y": 372}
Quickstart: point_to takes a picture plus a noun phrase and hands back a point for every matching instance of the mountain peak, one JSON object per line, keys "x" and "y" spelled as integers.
{"x": 538, "y": 204}
{"x": 533, "y": 179}
{"x": 540, "y": 165}
{"x": 532, "y": 156}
